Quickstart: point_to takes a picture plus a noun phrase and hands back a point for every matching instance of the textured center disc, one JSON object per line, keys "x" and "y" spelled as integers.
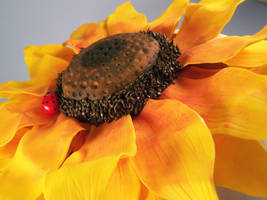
{"x": 109, "y": 65}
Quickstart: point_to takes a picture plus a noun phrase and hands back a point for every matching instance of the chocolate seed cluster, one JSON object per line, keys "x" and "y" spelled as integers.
{"x": 116, "y": 76}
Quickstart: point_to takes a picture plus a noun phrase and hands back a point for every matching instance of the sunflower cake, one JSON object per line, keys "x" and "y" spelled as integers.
{"x": 126, "y": 109}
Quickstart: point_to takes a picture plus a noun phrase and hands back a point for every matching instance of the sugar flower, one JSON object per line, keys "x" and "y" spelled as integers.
{"x": 203, "y": 130}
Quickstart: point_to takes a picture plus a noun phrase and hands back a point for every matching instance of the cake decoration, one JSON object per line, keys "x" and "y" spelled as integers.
{"x": 116, "y": 76}
{"x": 50, "y": 104}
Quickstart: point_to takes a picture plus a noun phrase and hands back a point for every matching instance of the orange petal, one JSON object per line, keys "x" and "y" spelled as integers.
{"x": 221, "y": 49}
{"x": 93, "y": 164}
{"x": 117, "y": 137}
{"x": 233, "y": 101}
{"x": 30, "y": 109}
{"x": 252, "y": 56}
{"x": 204, "y": 21}
{"x": 200, "y": 71}
{"x": 22, "y": 111}
{"x": 168, "y": 21}
{"x": 260, "y": 69}
{"x": 7, "y": 152}
{"x": 9, "y": 124}
{"x": 123, "y": 184}
{"x": 151, "y": 196}
{"x": 126, "y": 19}
{"x": 86, "y": 35}
{"x": 241, "y": 165}
{"x": 175, "y": 151}
{"x": 148, "y": 195}
{"x": 40, "y": 150}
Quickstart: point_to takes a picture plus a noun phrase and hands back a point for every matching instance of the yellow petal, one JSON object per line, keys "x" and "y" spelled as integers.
{"x": 86, "y": 180}
{"x": 55, "y": 50}
{"x": 152, "y": 196}
{"x": 221, "y": 49}
{"x": 30, "y": 109}
{"x": 9, "y": 124}
{"x": 13, "y": 88}
{"x": 46, "y": 61}
{"x": 40, "y": 150}
{"x": 7, "y": 152}
{"x": 87, "y": 34}
{"x": 44, "y": 64}
{"x": 47, "y": 69}
{"x": 123, "y": 184}
{"x": 175, "y": 151}
{"x": 126, "y": 19}
{"x": 41, "y": 197}
{"x": 89, "y": 31}
{"x": 252, "y": 56}
{"x": 241, "y": 165}
{"x": 148, "y": 195}
{"x": 117, "y": 137}
{"x": 168, "y": 21}
{"x": 260, "y": 69}
{"x": 86, "y": 173}
{"x": 22, "y": 111}
{"x": 233, "y": 101}
{"x": 204, "y": 21}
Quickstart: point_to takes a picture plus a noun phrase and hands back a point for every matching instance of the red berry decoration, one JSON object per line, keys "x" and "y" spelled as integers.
{"x": 50, "y": 104}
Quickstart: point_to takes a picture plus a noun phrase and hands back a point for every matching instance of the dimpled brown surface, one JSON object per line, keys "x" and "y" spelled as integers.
{"x": 109, "y": 65}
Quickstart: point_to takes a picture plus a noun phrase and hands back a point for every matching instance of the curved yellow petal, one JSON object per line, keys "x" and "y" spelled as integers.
{"x": 30, "y": 109}
{"x": 204, "y": 21}
{"x": 232, "y": 101}
{"x": 9, "y": 124}
{"x": 117, "y": 137}
{"x": 124, "y": 183}
{"x": 86, "y": 35}
{"x": 152, "y": 196}
{"x": 89, "y": 31}
{"x": 260, "y": 69}
{"x": 46, "y": 61}
{"x": 241, "y": 165}
{"x": 13, "y": 88}
{"x": 7, "y": 152}
{"x": 22, "y": 111}
{"x": 55, "y": 50}
{"x": 175, "y": 151}
{"x": 148, "y": 195}
{"x": 169, "y": 20}
{"x": 40, "y": 150}
{"x": 126, "y": 19}
{"x": 252, "y": 56}
{"x": 221, "y": 49}
{"x": 41, "y": 197}
{"x": 87, "y": 180}
{"x": 44, "y": 64}
{"x": 86, "y": 173}
{"x": 47, "y": 69}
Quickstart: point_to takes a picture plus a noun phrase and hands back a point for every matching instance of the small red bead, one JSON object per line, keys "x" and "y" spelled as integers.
{"x": 50, "y": 104}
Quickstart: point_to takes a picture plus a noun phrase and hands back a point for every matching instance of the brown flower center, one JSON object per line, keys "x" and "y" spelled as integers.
{"x": 109, "y": 65}
{"x": 116, "y": 76}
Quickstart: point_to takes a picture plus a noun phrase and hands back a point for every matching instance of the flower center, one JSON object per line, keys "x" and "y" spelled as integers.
{"x": 116, "y": 76}
{"x": 109, "y": 65}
